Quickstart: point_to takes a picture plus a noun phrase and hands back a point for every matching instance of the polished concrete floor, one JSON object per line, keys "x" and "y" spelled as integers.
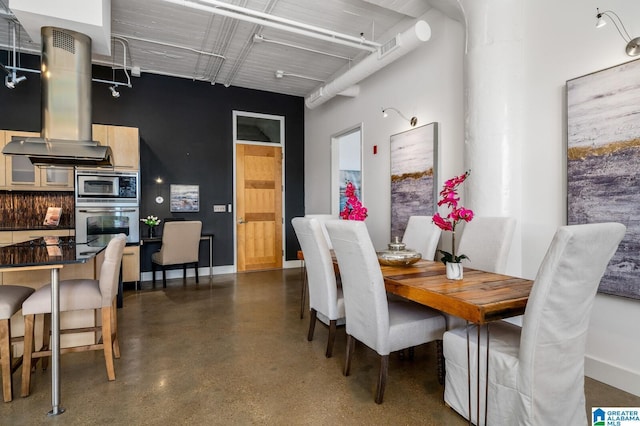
{"x": 233, "y": 351}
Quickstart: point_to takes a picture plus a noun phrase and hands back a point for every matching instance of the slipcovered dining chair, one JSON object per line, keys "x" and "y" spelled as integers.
{"x": 325, "y": 298}
{"x": 486, "y": 242}
{"x": 11, "y": 298}
{"x": 422, "y": 235}
{"x": 76, "y": 295}
{"x": 536, "y": 373}
{"x": 322, "y": 218}
{"x": 180, "y": 246}
{"x": 383, "y": 326}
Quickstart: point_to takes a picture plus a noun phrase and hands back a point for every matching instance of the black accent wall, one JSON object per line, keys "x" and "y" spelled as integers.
{"x": 185, "y": 138}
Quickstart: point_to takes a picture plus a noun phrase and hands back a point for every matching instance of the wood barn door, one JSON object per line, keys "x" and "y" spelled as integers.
{"x": 258, "y": 207}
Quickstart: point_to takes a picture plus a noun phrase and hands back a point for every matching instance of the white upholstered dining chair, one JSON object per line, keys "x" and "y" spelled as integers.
{"x": 11, "y": 298}
{"x": 486, "y": 241}
{"x": 422, "y": 235}
{"x": 536, "y": 373}
{"x": 76, "y": 295}
{"x": 383, "y": 326}
{"x": 180, "y": 246}
{"x": 325, "y": 298}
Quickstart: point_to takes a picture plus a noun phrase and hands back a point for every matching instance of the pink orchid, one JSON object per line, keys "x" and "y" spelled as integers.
{"x": 449, "y": 197}
{"x": 353, "y": 208}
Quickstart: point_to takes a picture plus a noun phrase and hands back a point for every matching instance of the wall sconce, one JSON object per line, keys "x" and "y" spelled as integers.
{"x": 11, "y": 81}
{"x": 413, "y": 120}
{"x": 633, "y": 45}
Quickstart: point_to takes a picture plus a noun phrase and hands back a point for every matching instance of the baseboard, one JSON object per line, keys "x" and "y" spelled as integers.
{"x": 626, "y": 380}
{"x": 177, "y": 273}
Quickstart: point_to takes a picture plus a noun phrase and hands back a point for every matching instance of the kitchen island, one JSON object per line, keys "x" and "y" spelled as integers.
{"x": 53, "y": 254}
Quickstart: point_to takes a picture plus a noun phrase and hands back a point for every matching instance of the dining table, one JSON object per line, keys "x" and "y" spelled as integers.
{"x": 480, "y": 297}
{"x": 51, "y": 253}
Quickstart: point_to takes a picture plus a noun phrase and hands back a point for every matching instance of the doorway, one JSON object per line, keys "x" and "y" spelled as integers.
{"x": 258, "y": 191}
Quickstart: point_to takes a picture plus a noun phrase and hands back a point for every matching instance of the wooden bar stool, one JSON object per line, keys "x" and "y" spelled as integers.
{"x": 11, "y": 298}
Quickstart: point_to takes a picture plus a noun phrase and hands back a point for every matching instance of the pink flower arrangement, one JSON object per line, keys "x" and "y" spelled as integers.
{"x": 353, "y": 208}
{"x": 449, "y": 197}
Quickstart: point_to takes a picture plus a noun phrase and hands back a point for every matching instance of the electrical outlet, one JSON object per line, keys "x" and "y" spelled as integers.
{"x": 219, "y": 208}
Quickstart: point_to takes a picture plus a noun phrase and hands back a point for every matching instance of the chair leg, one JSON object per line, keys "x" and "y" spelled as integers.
{"x": 382, "y": 378}
{"x": 107, "y": 343}
{"x": 333, "y": 324}
{"x": 347, "y": 360}
{"x": 114, "y": 329}
{"x": 195, "y": 266}
{"x": 312, "y": 323}
{"x": 184, "y": 272}
{"x": 153, "y": 274}
{"x": 46, "y": 340}
{"x": 5, "y": 359}
{"x": 164, "y": 277}
{"x": 26, "y": 358}
{"x": 440, "y": 361}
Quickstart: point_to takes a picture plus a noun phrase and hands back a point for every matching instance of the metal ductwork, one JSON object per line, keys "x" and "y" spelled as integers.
{"x": 398, "y": 46}
{"x": 66, "y": 137}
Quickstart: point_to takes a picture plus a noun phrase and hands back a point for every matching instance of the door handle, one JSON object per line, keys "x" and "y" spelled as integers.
{"x": 241, "y": 221}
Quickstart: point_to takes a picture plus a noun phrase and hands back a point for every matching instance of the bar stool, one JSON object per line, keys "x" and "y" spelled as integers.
{"x": 11, "y": 298}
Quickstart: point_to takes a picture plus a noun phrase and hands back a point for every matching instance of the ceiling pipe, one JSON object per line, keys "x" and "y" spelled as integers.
{"x": 291, "y": 26}
{"x": 397, "y": 47}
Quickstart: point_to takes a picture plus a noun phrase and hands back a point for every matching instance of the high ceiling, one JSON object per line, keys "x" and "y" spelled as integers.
{"x": 170, "y": 38}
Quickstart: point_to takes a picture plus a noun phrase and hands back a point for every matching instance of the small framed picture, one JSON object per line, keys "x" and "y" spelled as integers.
{"x": 185, "y": 198}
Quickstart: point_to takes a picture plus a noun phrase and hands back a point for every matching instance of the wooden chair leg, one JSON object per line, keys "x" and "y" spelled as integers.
{"x": 153, "y": 274}
{"x": 184, "y": 272}
{"x": 107, "y": 343}
{"x": 5, "y": 359}
{"x": 114, "y": 329}
{"x": 195, "y": 266}
{"x": 382, "y": 378}
{"x": 46, "y": 340}
{"x": 26, "y": 358}
{"x": 164, "y": 277}
{"x": 333, "y": 324}
{"x": 312, "y": 323}
{"x": 347, "y": 360}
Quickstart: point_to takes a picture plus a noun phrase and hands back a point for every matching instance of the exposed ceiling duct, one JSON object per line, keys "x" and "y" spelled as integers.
{"x": 395, "y": 48}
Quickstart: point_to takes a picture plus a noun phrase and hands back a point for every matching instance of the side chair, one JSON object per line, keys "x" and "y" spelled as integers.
{"x": 422, "y": 235}
{"x": 325, "y": 298}
{"x": 180, "y": 246}
{"x": 536, "y": 373}
{"x": 11, "y": 298}
{"x": 75, "y": 295}
{"x": 381, "y": 325}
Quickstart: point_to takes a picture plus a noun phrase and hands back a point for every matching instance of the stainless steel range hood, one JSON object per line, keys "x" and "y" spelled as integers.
{"x": 66, "y": 137}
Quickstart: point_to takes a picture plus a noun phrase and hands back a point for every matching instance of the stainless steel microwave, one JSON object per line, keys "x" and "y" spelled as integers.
{"x": 102, "y": 187}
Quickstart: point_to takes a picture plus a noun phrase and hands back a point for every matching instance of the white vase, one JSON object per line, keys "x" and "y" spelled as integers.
{"x": 454, "y": 271}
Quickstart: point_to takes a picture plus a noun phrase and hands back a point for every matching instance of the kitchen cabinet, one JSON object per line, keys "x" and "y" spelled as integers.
{"x": 19, "y": 173}
{"x": 131, "y": 264}
{"x": 124, "y": 142}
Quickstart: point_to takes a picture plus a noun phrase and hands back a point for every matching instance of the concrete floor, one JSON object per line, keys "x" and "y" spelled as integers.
{"x": 232, "y": 350}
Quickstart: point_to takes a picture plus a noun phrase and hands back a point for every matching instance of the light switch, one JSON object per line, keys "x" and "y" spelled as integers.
{"x": 219, "y": 208}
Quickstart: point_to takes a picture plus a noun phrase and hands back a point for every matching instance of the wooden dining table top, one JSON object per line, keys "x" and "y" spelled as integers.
{"x": 480, "y": 297}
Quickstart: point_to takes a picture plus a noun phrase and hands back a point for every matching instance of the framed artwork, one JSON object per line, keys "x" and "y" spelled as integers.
{"x": 414, "y": 157}
{"x": 185, "y": 198}
{"x": 603, "y": 153}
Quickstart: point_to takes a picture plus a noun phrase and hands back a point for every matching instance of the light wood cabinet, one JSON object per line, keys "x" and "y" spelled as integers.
{"x": 131, "y": 264}
{"x": 19, "y": 173}
{"x": 124, "y": 142}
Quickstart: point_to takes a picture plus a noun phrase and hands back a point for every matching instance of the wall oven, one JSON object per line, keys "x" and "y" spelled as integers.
{"x": 107, "y": 204}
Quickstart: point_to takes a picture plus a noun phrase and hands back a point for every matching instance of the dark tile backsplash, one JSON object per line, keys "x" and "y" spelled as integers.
{"x": 26, "y": 210}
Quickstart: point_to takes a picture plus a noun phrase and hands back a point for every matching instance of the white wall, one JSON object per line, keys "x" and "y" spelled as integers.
{"x": 426, "y": 83}
{"x": 560, "y": 43}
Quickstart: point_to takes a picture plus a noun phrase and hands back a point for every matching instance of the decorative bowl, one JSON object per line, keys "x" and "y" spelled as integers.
{"x": 398, "y": 257}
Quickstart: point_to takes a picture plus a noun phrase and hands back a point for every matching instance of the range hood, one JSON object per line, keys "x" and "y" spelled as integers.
{"x": 66, "y": 137}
